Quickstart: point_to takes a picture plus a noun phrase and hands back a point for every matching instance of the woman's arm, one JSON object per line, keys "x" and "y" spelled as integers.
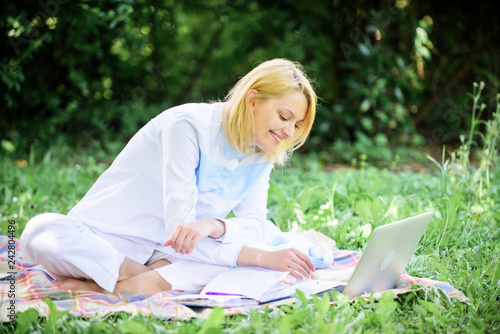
{"x": 186, "y": 236}
{"x": 179, "y": 157}
{"x": 291, "y": 260}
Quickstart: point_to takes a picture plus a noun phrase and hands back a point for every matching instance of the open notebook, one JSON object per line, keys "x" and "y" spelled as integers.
{"x": 224, "y": 292}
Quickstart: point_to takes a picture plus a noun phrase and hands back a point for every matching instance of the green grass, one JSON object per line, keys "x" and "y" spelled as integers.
{"x": 461, "y": 244}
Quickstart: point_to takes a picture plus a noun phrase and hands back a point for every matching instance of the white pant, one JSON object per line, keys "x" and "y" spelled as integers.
{"x": 67, "y": 248}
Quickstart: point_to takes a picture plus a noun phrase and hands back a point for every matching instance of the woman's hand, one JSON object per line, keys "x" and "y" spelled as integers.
{"x": 291, "y": 260}
{"x": 185, "y": 236}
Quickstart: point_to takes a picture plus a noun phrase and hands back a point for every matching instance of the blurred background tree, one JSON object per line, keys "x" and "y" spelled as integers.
{"x": 389, "y": 73}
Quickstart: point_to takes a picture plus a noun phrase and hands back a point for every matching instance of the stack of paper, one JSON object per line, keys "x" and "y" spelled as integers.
{"x": 199, "y": 300}
{"x": 250, "y": 283}
{"x": 249, "y": 287}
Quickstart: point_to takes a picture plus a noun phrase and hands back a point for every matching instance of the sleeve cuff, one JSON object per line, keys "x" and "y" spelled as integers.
{"x": 223, "y": 237}
{"x": 230, "y": 225}
{"x": 229, "y": 252}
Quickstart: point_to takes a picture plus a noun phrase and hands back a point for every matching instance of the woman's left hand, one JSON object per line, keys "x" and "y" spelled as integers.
{"x": 185, "y": 236}
{"x": 292, "y": 260}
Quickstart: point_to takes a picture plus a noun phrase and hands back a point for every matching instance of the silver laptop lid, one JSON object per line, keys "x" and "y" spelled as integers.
{"x": 386, "y": 255}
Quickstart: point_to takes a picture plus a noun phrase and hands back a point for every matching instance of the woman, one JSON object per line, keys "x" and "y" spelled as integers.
{"x": 154, "y": 221}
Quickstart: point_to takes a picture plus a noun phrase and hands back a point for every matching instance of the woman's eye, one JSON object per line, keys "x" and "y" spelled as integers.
{"x": 283, "y": 118}
{"x": 296, "y": 127}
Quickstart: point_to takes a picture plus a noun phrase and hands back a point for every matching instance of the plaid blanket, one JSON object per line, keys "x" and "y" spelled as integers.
{"x": 24, "y": 285}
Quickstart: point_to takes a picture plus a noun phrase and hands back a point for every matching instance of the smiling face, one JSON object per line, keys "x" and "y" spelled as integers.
{"x": 276, "y": 119}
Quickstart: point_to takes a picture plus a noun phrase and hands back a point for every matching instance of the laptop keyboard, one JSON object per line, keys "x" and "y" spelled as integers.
{"x": 339, "y": 288}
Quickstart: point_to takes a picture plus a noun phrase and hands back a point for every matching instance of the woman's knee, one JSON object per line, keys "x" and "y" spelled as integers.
{"x": 40, "y": 235}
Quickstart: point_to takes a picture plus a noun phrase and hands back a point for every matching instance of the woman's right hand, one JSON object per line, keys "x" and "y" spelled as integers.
{"x": 186, "y": 236}
{"x": 291, "y": 260}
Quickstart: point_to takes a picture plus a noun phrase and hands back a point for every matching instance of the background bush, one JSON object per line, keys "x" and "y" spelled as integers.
{"x": 388, "y": 72}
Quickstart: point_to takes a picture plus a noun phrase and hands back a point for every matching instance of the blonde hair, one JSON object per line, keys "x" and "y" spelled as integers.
{"x": 271, "y": 79}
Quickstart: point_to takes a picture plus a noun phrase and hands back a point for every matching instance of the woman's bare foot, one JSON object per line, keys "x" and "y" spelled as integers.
{"x": 133, "y": 277}
{"x": 130, "y": 268}
{"x": 76, "y": 284}
{"x": 151, "y": 282}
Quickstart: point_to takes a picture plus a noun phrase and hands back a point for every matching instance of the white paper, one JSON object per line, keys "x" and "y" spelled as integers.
{"x": 219, "y": 298}
{"x": 251, "y": 283}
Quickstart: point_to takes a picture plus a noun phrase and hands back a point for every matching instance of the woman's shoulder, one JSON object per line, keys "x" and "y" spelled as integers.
{"x": 200, "y": 113}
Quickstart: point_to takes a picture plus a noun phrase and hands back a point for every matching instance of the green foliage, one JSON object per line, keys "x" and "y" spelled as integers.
{"x": 383, "y": 84}
{"x": 55, "y": 317}
{"x": 25, "y": 320}
{"x": 214, "y": 321}
{"x": 99, "y": 70}
{"x": 458, "y": 175}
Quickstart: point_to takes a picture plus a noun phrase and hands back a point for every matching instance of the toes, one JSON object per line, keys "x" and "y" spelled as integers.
{"x": 56, "y": 286}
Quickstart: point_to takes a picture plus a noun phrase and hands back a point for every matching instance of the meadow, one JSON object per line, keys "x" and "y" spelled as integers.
{"x": 461, "y": 244}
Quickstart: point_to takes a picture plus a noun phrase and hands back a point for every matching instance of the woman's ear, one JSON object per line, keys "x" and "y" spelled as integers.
{"x": 251, "y": 98}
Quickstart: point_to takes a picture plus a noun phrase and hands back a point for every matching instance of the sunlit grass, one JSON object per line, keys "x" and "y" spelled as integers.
{"x": 461, "y": 244}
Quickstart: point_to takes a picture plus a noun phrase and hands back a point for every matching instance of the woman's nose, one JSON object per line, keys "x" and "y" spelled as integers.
{"x": 289, "y": 130}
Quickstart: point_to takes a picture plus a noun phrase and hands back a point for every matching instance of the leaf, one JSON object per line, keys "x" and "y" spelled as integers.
{"x": 214, "y": 321}
{"x": 440, "y": 267}
{"x": 301, "y": 298}
{"x": 422, "y": 35}
{"x": 434, "y": 161}
{"x": 386, "y": 304}
{"x": 305, "y": 197}
{"x": 425, "y": 52}
{"x": 8, "y": 146}
{"x": 321, "y": 304}
{"x": 367, "y": 123}
{"x": 24, "y": 320}
{"x": 493, "y": 270}
{"x": 341, "y": 299}
{"x": 365, "y": 105}
{"x": 364, "y": 49}
{"x": 54, "y": 316}
{"x": 325, "y": 304}
{"x": 430, "y": 307}
{"x": 285, "y": 324}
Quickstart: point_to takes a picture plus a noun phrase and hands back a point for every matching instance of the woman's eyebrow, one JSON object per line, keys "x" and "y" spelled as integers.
{"x": 289, "y": 112}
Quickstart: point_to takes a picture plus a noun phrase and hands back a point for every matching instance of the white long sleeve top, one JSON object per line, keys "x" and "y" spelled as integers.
{"x": 179, "y": 168}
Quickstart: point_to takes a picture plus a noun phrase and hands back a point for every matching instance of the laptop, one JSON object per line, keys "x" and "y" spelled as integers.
{"x": 385, "y": 256}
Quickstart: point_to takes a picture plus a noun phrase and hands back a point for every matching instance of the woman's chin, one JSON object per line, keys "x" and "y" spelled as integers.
{"x": 270, "y": 150}
{"x": 267, "y": 148}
